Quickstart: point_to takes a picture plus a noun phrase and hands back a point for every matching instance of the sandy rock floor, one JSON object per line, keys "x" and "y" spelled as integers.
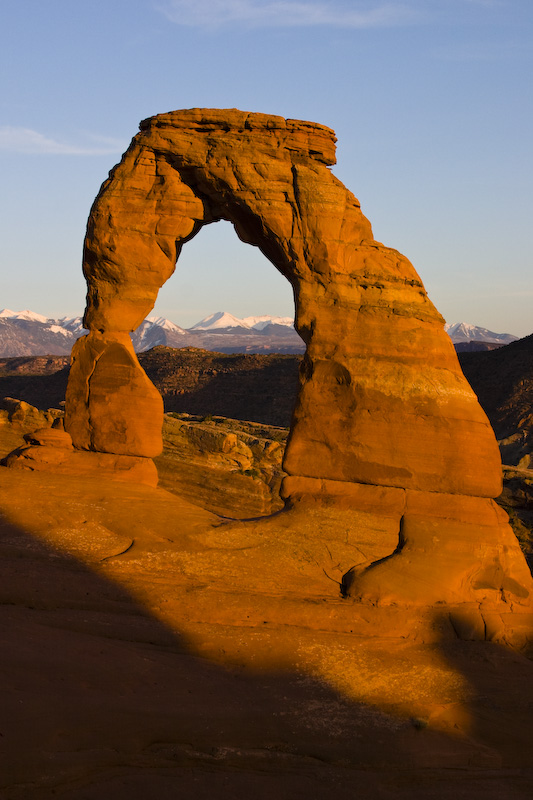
{"x": 151, "y": 649}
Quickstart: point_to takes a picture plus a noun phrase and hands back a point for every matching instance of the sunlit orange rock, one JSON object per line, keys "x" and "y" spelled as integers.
{"x": 111, "y": 405}
{"x": 382, "y": 402}
{"x": 51, "y": 450}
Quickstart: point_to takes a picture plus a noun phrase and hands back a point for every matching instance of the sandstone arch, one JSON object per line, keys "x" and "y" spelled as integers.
{"x": 384, "y": 419}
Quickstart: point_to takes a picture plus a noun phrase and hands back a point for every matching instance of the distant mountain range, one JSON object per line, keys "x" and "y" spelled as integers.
{"x": 25, "y": 333}
{"x": 221, "y": 320}
{"x": 470, "y": 337}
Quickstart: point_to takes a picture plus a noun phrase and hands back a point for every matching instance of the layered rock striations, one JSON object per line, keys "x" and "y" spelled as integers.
{"x": 384, "y": 416}
{"x": 226, "y": 466}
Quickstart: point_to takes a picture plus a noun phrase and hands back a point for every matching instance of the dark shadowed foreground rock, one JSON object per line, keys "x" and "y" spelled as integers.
{"x": 503, "y": 381}
{"x": 150, "y": 649}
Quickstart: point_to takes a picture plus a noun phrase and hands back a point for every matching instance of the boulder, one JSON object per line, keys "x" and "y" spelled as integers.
{"x": 51, "y": 437}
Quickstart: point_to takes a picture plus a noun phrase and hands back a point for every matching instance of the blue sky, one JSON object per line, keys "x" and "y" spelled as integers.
{"x": 431, "y": 102}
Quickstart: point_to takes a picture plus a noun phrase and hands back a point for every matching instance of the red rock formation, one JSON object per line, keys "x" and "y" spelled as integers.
{"x": 382, "y": 402}
{"x": 107, "y": 392}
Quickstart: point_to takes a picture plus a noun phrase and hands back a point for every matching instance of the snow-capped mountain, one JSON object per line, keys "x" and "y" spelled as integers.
{"x": 220, "y": 319}
{"x": 25, "y": 333}
{"x": 156, "y": 331}
{"x": 166, "y": 324}
{"x": 223, "y": 332}
{"x": 26, "y": 315}
{"x": 72, "y": 324}
{"x": 460, "y": 332}
{"x": 259, "y": 323}
{"x": 223, "y": 320}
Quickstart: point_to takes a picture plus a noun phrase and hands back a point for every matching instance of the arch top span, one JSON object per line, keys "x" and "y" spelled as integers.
{"x": 307, "y": 139}
{"x": 384, "y": 416}
{"x": 268, "y": 176}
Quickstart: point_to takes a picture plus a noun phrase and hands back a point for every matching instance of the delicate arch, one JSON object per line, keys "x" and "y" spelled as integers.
{"x": 384, "y": 415}
{"x": 382, "y": 398}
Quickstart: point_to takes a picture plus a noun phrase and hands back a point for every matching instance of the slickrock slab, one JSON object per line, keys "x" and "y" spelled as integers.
{"x": 50, "y": 449}
{"x": 78, "y": 462}
{"x": 149, "y": 650}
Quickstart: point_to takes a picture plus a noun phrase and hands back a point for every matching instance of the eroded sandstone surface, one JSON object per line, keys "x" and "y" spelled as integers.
{"x": 228, "y": 467}
{"x": 150, "y": 648}
{"x": 338, "y": 647}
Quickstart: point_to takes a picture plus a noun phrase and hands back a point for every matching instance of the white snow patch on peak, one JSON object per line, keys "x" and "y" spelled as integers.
{"x": 59, "y": 329}
{"x": 73, "y": 325}
{"x": 166, "y": 324}
{"x": 220, "y": 319}
{"x": 453, "y": 327}
{"x": 466, "y": 332}
{"x": 261, "y": 322}
{"x": 68, "y": 320}
{"x": 26, "y": 314}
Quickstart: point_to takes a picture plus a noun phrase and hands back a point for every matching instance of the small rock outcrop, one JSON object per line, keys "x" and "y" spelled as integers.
{"x": 226, "y": 466}
{"x": 50, "y": 448}
{"x": 384, "y": 417}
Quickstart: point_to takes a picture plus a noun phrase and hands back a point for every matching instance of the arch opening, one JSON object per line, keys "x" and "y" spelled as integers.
{"x": 228, "y": 407}
{"x": 215, "y": 271}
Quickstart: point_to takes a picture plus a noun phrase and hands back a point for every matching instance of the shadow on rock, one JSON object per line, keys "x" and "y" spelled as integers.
{"x": 101, "y": 700}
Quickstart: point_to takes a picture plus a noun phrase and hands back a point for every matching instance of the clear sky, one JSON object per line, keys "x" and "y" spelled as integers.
{"x": 431, "y": 101}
